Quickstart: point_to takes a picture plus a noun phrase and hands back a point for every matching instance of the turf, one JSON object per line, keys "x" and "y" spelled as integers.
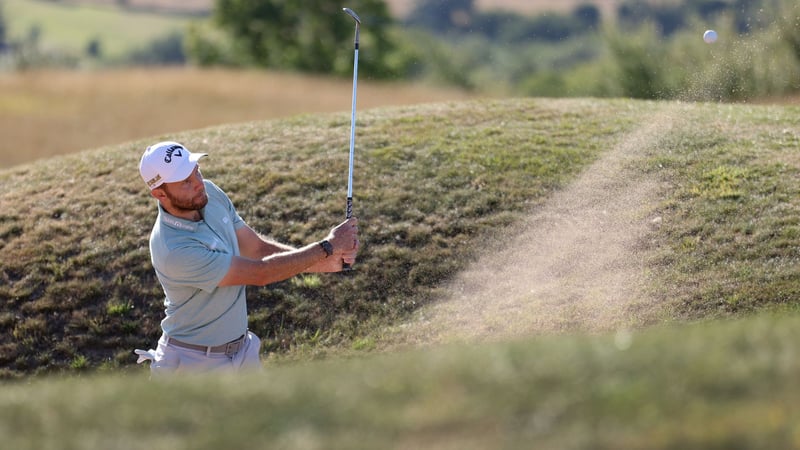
{"x": 730, "y": 384}
{"x": 433, "y": 182}
{"x": 429, "y": 180}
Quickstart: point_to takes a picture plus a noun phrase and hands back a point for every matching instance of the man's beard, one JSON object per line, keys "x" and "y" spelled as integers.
{"x": 195, "y": 203}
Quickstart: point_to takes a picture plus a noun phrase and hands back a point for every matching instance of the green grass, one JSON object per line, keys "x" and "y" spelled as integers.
{"x": 430, "y": 180}
{"x": 729, "y": 384}
{"x": 432, "y": 183}
{"x": 71, "y": 27}
{"x": 728, "y": 241}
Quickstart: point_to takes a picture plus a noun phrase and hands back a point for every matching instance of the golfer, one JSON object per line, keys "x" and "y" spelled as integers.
{"x": 204, "y": 255}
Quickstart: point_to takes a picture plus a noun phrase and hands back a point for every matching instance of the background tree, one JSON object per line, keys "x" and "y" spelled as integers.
{"x": 164, "y": 50}
{"x": 589, "y": 16}
{"x": 309, "y": 36}
{"x": 442, "y": 15}
{"x": 94, "y": 48}
{"x": 3, "y": 31}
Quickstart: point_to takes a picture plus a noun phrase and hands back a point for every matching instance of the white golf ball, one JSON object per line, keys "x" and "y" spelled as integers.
{"x": 710, "y": 36}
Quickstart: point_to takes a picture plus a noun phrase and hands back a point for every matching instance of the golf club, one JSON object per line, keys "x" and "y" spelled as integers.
{"x": 349, "y": 212}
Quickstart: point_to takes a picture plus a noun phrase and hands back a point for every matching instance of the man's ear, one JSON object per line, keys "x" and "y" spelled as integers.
{"x": 158, "y": 194}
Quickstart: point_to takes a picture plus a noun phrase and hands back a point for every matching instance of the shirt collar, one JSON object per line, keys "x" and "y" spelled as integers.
{"x": 176, "y": 222}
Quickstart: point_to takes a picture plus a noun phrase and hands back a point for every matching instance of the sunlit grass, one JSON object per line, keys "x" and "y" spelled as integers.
{"x": 431, "y": 182}
{"x": 727, "y": 234}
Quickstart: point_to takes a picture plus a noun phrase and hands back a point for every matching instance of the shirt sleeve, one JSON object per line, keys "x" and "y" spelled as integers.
{"x": 194, "y": 264}
{"x": 238, "y": 222}
{"x": 232, "y": 213}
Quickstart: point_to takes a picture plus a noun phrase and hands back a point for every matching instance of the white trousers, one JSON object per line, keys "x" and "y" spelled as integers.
{"x": 169, "y": 359}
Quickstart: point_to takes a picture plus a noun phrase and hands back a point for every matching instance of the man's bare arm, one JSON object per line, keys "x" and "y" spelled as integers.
{"x": 263, "y": 262}
{"x": 254, "y": 246}
{"x": 273, "y": 268}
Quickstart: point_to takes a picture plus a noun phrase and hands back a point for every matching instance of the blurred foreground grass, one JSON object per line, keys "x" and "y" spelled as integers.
{"x": 726, "y": 384}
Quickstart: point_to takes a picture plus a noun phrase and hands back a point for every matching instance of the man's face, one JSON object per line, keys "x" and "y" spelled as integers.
{"x": 187, "y": 195}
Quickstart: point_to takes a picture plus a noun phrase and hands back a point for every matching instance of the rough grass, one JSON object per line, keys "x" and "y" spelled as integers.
{"x": 432, "y": 181}
{"x": 429, "y": 180}
{"x": 731, "y": 221}
{"x": 728, "y": 384}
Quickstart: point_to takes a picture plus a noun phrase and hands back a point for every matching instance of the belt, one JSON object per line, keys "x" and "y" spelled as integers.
{"x": 229, "y": 349}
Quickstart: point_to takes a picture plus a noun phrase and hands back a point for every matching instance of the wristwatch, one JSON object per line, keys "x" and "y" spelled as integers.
{"x": 327, "y": 247}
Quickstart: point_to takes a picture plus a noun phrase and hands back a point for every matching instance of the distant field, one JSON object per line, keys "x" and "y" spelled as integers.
{"x": 170, "y": 6}
{"x": 70, "y": 27}
{"x": 398, "y": 7}
{"x": 43, "y": 114}
{"x": 402, "y": 7}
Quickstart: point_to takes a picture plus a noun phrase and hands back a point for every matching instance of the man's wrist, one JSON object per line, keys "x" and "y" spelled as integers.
{"x": 327, "y": 247}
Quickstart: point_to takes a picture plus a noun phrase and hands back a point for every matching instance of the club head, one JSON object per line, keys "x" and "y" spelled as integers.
{"x": 352, "y": 14}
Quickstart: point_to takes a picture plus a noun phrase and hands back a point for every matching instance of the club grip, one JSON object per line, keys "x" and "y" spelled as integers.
{"x": 348, "y": 214}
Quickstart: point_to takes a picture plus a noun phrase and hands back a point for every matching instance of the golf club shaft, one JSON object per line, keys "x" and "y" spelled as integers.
{"x": 349, "y": 209}
{"x": 349, "y": 213}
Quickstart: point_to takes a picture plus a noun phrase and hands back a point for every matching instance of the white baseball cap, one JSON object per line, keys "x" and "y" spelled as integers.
{"x": 167, "y": 162}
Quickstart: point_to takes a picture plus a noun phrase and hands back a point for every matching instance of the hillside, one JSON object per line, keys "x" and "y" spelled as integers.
{"x": 581, "y": 234}
{"x": 578, "y": 263}
{"x": 437, "y": 186}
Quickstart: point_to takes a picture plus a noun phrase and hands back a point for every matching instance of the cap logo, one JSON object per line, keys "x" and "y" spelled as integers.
{"x": 176, "y": 150}
{"x": 154, "y": 180}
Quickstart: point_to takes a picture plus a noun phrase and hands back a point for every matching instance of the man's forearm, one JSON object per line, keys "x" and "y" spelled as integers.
{"x": 273, "y": 268}
{"x": 286, "y": 264}
{"x": 255, "y": 246}
{"x": 269, "y": 248}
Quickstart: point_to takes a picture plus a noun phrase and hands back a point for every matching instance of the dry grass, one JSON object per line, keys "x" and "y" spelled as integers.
{"x": 43, "y": 114}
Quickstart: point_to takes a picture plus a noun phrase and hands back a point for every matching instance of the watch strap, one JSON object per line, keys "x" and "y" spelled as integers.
{"x": 327, "y": 247}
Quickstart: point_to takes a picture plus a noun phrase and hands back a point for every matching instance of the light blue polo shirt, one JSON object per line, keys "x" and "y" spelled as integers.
{"x": 190, "y": 259}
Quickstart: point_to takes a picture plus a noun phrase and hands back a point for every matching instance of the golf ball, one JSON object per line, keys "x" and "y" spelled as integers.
{"x": 710, "y": 36}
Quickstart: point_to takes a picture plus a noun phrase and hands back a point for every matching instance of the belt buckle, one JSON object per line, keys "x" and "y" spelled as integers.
{"x": 232, "y": 348}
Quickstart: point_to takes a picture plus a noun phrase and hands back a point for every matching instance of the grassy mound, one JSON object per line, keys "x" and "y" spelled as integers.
{"x": 79, "y": 292}
{"x": 728, "y": 384}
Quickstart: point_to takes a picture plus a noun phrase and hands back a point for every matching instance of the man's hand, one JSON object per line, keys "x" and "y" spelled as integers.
{"x": 344, "y": 239}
